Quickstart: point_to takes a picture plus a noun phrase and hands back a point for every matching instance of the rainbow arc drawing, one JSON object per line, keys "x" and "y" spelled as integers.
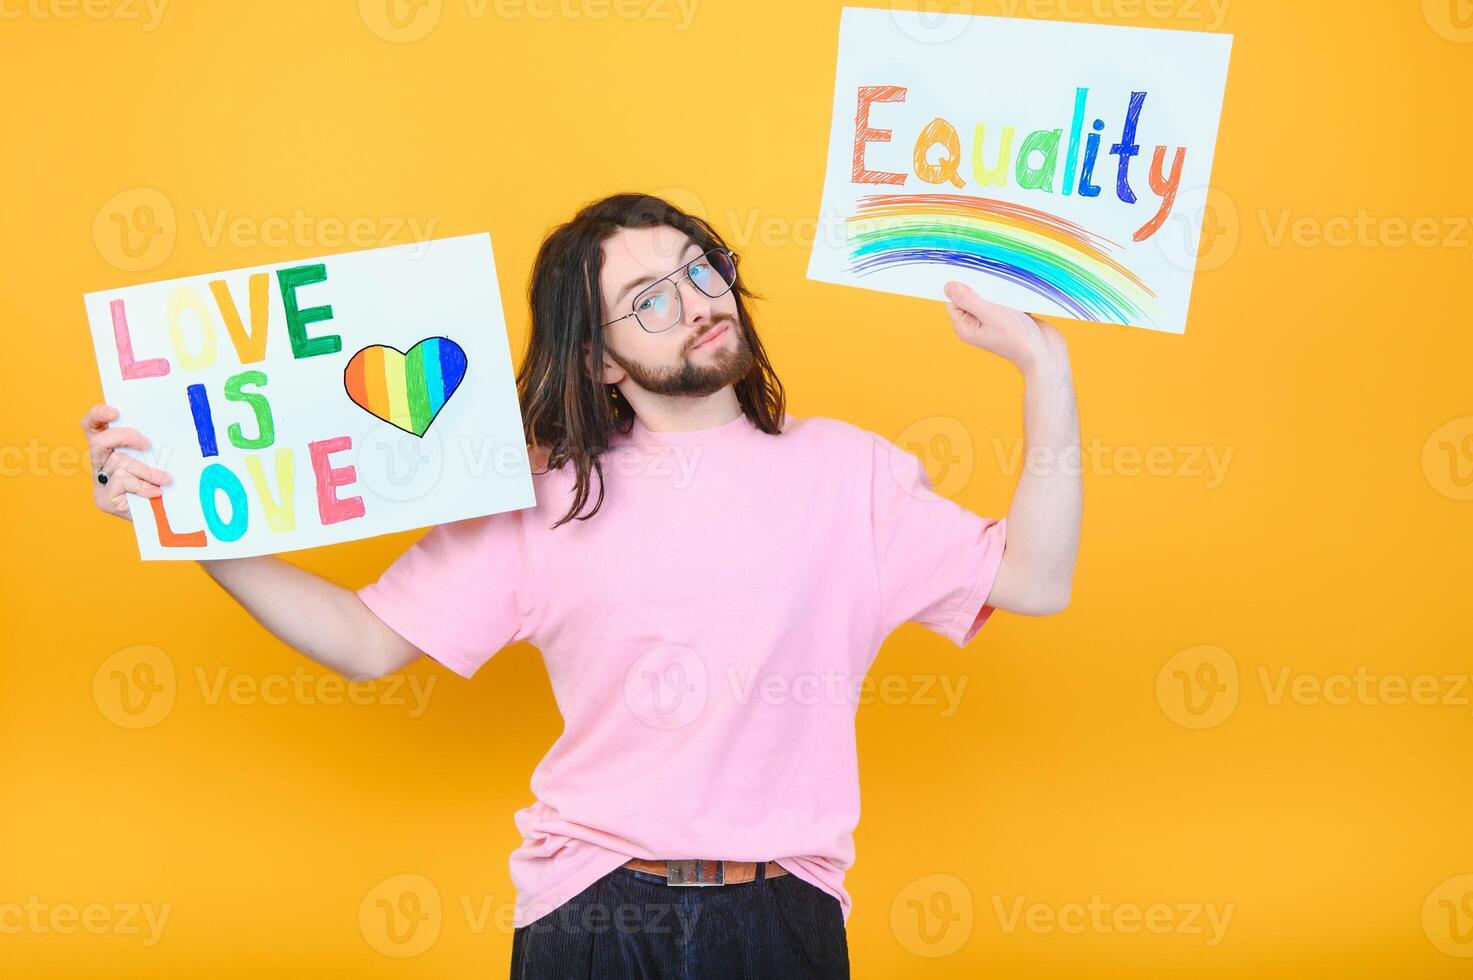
{"x": 1044, "y": 253}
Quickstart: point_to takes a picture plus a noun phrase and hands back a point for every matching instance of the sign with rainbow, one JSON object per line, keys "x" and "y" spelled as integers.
{"x": 1059, "y": 168}
{"x": 317, "y": 401}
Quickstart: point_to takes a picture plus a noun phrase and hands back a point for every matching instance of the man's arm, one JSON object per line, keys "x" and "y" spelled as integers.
{"x": 1037, "y": 571}
{"x": 321, "y": 620}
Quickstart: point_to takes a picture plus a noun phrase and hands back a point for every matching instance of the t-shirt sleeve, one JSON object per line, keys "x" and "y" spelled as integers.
{"x": 460, "y": 593}
{"x": 936, "y": 560}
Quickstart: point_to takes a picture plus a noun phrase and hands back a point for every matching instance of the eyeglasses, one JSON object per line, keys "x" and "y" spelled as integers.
{"x": 658, "y": 307}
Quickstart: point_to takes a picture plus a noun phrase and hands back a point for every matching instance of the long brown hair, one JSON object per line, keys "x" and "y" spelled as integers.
{"x": 569, "y": 414}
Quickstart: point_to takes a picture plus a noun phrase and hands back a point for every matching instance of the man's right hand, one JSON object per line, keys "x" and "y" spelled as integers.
{"x": 125, "y": 474}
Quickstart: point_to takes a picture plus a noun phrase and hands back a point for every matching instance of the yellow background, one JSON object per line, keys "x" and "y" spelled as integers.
{"x": 1334, "y": 372}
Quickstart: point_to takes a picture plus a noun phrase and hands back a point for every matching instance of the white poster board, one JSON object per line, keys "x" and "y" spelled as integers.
{"x": 316, "y": 401}
{"x": 1059, "y": 168}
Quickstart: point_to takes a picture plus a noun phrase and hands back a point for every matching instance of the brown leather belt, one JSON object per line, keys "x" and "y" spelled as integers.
{"x": 696, "y": 872}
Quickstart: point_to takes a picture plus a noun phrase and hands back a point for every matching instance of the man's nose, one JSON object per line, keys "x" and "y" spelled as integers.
{"x": 697, "y": 305}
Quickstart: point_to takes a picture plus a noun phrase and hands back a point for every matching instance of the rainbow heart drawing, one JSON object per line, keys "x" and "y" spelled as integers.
{"x": 406, "y": 390}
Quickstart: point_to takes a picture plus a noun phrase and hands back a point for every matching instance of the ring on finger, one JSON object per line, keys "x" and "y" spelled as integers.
{"x": 109, "y": 469}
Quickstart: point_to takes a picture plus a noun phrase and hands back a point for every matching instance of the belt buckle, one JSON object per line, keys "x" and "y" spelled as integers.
{"x": 694, "y": 872}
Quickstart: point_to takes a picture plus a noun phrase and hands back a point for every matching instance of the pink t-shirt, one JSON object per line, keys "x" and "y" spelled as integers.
{"x": 705, "y": 633}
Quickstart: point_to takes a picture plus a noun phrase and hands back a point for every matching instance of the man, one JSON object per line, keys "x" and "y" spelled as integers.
{"x": 708, "y": 580}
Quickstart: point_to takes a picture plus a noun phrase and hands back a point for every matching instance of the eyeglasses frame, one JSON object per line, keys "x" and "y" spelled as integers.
{"x": 683, "y": 272}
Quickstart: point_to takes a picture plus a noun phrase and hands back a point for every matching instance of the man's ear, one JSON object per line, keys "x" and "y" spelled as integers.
{"x": 608, "y": 375}
{"x": 588, "y": 361}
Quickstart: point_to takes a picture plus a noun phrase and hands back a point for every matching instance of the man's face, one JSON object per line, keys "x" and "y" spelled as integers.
{"x": 704, "y": 351}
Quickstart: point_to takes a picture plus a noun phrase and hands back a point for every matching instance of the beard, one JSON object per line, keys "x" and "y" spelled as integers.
{"x": 727, "y": 366}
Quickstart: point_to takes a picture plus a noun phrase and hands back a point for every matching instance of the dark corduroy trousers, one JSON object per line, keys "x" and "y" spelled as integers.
{"x": 632, "y": 924}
